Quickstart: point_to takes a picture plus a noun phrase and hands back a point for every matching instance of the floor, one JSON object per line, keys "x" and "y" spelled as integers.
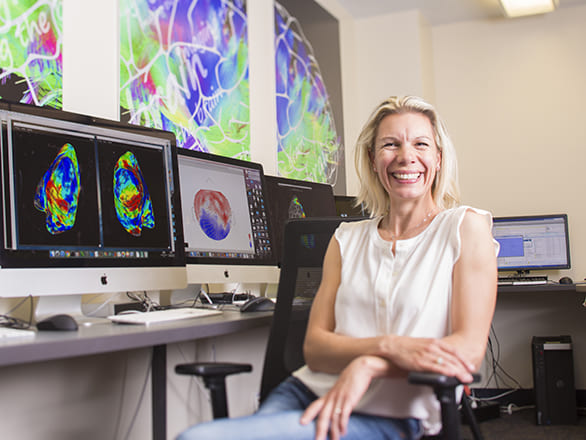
{"x": 521, "y": 426}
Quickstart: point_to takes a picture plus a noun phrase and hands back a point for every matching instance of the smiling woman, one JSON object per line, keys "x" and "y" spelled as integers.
{"x": 375, "y": 133}
{"x": 411, "y": 289}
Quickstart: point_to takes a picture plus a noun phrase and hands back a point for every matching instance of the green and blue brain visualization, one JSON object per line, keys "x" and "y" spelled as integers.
{"x": 57, "y": 193}
{"x": 132, "y": 200}
{"x": 296, "y": 208}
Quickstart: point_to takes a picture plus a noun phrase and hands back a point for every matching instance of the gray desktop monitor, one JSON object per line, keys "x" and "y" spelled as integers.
{"x": 226, "y": 222}
{"x": 88, "y": 206}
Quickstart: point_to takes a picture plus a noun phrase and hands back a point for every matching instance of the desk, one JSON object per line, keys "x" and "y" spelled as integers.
{"x": 106, "y": 338}
{"x": 532, "y": 288}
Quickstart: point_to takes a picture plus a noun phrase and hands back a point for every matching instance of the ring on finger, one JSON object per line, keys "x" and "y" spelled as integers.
{"x": 338, "y": 411}
{"x": 439, "y": 360}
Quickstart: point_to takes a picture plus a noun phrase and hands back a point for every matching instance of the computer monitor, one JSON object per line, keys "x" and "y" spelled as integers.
{"x": 539, "y": 242}
{"x": 88, "y": 206}
{"x": 346, "y": 207}
{"x": 226, "y": 222}
{"x": 290, "y": 198}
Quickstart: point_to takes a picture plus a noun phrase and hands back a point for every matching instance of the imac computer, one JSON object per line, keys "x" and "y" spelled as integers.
{"x": 88, "y": 206}
{"x": 539, "y": 242}
{"x": 226, "y": 222}
{"x": 289, "y": 198}
{"x": 346, "y": 207}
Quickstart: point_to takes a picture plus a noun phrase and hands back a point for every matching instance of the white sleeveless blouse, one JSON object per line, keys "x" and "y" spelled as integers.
{"x": 406, "y": 294}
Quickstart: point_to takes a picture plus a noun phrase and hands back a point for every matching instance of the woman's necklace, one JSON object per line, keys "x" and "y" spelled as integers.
{"x": 394, "y": 237}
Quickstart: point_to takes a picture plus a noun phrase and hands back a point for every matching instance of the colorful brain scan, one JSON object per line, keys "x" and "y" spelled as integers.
{"x": 184, "y": 68}
{"x": 31, "y": 47}
{"x": 309, "y": 146}
{"x": 213, "y": 213}
{"x": 132, "y": 200}
{"x": 57, "y": 193}
{"x": 296, "y": 208}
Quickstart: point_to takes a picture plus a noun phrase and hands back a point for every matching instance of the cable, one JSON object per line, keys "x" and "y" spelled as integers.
{"x": 122, "y": 393}
{"x": 7, "y": 320}
{"x": 104, "y": 304}
{"x": 498, "y": 374}
{"x": 141, "y": 397}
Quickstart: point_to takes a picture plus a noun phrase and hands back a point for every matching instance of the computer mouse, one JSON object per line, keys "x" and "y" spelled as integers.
{"x": 566, "y": 280}
{"x": 58, "y": 322}
{"x": 258, "y": 304}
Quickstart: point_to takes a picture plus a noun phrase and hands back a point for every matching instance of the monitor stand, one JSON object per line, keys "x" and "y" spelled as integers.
{"x": 65, "y": 304}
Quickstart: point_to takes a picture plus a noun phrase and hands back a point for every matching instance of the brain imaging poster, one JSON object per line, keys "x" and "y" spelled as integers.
{"x": 309, "y": 90}
{"x": 31, "y": 46}
{"x": 184, "y": 68}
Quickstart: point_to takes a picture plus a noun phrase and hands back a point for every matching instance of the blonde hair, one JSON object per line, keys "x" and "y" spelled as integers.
{"x": 445, "y": 190}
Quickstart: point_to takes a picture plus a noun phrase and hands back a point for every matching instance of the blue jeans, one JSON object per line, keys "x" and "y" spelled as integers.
{"x": 278, "y": 418}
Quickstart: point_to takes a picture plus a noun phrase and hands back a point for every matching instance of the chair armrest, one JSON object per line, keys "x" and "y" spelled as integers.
{"x": 212, "y": 369}
{"x": 437, "y": 380}
{"x": 214, "y": 377}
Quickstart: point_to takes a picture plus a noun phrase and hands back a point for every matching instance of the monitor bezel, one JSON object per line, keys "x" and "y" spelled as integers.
{"x": 19, "y": 259}
{"x": 278, "y": 220}
{"x": 527, "y": 268}
{"x": 218, "y": 269}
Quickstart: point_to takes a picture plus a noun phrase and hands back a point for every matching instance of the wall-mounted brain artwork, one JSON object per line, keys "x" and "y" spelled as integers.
{"x": 31, "y": 43}
{"x": 295, "y": 209}
{"x": 184, "y": 68}
{"x": 57, "y": 193}
{"x": 132, "y": 200}
{"x": 213, "y": 213}
{"x": 309, "y": 146}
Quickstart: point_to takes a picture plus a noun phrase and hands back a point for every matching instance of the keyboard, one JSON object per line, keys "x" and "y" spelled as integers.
{"x": 161, "y": 316}
{"x": 522, "y": 281}
{"x": 11, "y": 333}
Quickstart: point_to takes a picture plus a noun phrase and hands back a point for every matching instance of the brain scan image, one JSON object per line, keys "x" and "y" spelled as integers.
{"x": 213, "y": 213}
{"x": 132, "y": 200}
{"x": 295, "y": 209}
{"x": 309, "y": 145}
{"x": 57, "y": 192}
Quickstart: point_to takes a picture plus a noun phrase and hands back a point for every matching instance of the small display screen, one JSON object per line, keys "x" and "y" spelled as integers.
{"x": 532, "y": 242}
{"x": 225, "y": 214}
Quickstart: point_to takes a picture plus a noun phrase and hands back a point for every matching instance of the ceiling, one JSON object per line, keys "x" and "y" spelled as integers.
{"x": 437, "y": 11}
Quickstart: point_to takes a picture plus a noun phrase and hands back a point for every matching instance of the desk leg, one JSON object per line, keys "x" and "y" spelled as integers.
{"x": 159, "y": 392}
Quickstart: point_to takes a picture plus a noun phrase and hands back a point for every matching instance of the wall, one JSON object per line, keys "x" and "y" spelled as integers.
{"x": 510, "y": 92}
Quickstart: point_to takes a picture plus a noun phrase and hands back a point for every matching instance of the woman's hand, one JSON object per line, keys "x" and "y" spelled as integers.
{"x": 427, "y": 354}
{"x": 333, "y": 409}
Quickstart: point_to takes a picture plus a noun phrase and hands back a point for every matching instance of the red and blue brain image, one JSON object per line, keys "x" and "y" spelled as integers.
{"x": 57, "y": 193}
{"x": 132, "y": 200}
{"x": 213, "y": 212}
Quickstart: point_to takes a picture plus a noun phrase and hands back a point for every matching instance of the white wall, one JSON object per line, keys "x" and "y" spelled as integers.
{"x": 510, "y": 92}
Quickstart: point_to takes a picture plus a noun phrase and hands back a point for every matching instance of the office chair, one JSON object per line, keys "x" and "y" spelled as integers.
{"x": 305, "y": 243}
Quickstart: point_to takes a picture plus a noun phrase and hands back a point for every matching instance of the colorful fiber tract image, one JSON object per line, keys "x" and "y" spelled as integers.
{"x": 132, "y": 200}
{"x": 184, "y": 68}
{"x": 295, "y": 208}
{"x": 213, "y": 213}
{"x": 57, "y": 193}
{"x": 309, "y": 146}
{"x": 31, "y": 66}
